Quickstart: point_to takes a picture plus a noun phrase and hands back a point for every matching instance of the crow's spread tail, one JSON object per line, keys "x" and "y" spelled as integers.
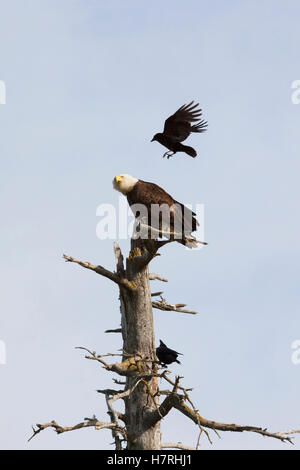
{"x": 189, "y": 150}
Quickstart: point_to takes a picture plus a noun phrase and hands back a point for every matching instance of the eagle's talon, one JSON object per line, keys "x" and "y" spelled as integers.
{"x": 135, "y": 253}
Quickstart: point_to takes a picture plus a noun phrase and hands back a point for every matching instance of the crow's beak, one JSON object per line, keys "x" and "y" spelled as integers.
{"x": 152, "y": 140}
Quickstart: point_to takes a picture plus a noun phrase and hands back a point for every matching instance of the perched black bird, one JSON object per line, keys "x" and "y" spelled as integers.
{"x": 166, "y": 355}
{"x": 178, "y": 127}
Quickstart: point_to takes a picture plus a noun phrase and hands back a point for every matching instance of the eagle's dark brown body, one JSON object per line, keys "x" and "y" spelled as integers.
{"x": 149, "y": 194}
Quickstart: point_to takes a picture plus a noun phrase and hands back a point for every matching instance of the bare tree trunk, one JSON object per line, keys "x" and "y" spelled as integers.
{"x": 143, "y": 413}
{"x": 138, "y": 339}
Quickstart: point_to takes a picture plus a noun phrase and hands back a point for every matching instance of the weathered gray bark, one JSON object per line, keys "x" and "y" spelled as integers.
{"x": 138, "y": 339}
{"x": 142, "y": 410}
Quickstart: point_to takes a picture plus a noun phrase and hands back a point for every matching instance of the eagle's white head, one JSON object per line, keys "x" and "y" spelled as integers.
{"x": 124, "y": 183}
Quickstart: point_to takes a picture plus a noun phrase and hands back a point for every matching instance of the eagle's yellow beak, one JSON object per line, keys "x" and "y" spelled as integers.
{"x": 118, "y": 179}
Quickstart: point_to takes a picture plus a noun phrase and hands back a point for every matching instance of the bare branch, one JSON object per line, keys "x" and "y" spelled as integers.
{"x": 131, "y": 367}
{"x": 194, "y": 416}
{"x": 162, "y": 411}
{"x": 119, "y": 382}
{"x": 103, "y": 272}
{"x": 117, "y": 330}
{"x": 156, "y": 277}
{"x": 291, "y": 431}
{"x": 111, "y": 396}
{"x": 175, "y": 445}
{"x": 162, "y": 305}
{"x": 126, "y": 393}
{"x": 120, "y": 415}
{"x": 88, "y": 422}
{"x": 119, "y": 260}
{"x": 174, "y": 400}
{"x": 166, "y": 405}
{"x": 109, "y": 391}
{"x": 156, "y": 294}
{"x": 114, "y": 419}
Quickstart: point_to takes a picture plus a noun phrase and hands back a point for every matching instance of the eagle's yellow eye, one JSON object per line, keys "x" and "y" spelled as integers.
{"x": 118, "y": 178}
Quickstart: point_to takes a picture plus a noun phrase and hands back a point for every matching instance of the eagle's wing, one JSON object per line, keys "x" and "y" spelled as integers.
{"x": 151, "y": 196}
{"x": 177, "y": 219}
{"x": 178, "y": 126}
{"x": 184, "y": 219}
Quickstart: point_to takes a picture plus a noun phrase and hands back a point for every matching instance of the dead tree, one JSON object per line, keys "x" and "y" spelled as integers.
{"x": 137, "y": 367}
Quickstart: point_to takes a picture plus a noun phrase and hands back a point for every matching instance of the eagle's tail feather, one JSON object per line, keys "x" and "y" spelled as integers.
{"x": 190, "y": 242}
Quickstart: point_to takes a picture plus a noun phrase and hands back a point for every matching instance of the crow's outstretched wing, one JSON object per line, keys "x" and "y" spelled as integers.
{"x": 178, "y": 126}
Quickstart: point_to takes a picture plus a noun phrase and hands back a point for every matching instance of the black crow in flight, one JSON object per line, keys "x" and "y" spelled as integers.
{"x": 178, "y": 127}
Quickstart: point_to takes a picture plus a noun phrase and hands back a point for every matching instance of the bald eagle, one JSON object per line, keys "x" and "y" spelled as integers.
{"x": 158, "y": 211}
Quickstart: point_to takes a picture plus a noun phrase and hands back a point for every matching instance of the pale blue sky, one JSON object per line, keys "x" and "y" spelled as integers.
{"x": 88, "y": 84}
